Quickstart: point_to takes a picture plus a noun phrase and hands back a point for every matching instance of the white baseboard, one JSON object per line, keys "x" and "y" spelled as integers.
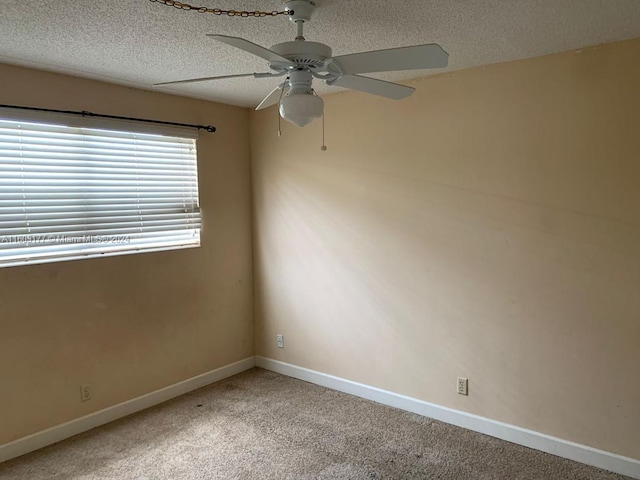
{"x": 74, "y": 427}
{"x": 511, "y": 433}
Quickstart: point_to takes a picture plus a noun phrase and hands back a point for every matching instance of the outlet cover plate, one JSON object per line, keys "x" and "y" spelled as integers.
{"x": 463, "y": 386}
{"x": 85, "y": 392}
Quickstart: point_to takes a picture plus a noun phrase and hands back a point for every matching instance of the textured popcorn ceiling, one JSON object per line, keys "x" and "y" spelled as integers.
{"x": 138, "y": 43}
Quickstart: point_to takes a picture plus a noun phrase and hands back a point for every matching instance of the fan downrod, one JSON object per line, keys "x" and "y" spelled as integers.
{"x": 301, "y": 11}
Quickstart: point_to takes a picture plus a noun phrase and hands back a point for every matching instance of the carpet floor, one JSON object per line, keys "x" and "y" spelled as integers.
{"x": 261, "y": 425}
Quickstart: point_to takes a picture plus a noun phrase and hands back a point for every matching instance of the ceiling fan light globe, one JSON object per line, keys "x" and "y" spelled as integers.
{"x": 301, "y": 108}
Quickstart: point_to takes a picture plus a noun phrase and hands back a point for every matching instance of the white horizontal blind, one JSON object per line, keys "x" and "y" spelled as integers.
{"x": 72, "y": 192}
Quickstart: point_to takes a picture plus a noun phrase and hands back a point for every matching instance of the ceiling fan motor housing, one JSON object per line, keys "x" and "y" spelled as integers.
{"x": 305, "y": 54}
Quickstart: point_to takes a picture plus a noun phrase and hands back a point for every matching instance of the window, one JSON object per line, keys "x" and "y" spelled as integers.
{"x": 69, "y": 191}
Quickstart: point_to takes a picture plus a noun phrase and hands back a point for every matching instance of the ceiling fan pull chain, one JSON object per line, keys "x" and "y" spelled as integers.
{"x": 278, "y": 111}
{"x": 219, "y": 11}
{"x": 323, "y": 147}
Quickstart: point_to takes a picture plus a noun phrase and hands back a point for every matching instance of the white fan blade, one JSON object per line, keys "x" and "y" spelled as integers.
{"x": 373, "y": 86}
{"x": 273, "y": 97}
{"x": 250, "y": 47}
{"x": 223, "y": 77}
{"x": 394, "y": 59}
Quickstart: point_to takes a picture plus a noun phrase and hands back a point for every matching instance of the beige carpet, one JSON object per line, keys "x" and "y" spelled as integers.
{"x": 261, "y": 425}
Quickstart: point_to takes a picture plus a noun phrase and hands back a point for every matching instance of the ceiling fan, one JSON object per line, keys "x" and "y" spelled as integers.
{"x": 301, "y": 61}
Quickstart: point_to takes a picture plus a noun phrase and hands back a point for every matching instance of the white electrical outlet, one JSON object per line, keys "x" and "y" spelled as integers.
{"x": 85, "y": 392}
{"x": 463, "y": 386}
{"x": 280, "y": 341}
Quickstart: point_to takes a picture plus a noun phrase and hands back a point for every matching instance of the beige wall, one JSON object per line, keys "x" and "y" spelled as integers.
{"x": 487, "y": 227}
{"x": 131, "y": 324}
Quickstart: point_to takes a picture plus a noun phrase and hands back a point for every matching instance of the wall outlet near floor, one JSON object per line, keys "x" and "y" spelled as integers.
{"x": 85, "y": 392}
{"x": 463, "y": 386}
{"x": 280, "y": 341}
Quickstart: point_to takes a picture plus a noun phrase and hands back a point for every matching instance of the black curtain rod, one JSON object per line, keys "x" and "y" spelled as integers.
{"x": 84, "y": 113}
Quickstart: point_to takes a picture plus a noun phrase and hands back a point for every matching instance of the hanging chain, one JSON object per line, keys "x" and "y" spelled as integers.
{"x": 218, "y": 11}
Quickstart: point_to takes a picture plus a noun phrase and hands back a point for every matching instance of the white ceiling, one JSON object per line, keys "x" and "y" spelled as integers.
{"x": 138, "y": 43}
